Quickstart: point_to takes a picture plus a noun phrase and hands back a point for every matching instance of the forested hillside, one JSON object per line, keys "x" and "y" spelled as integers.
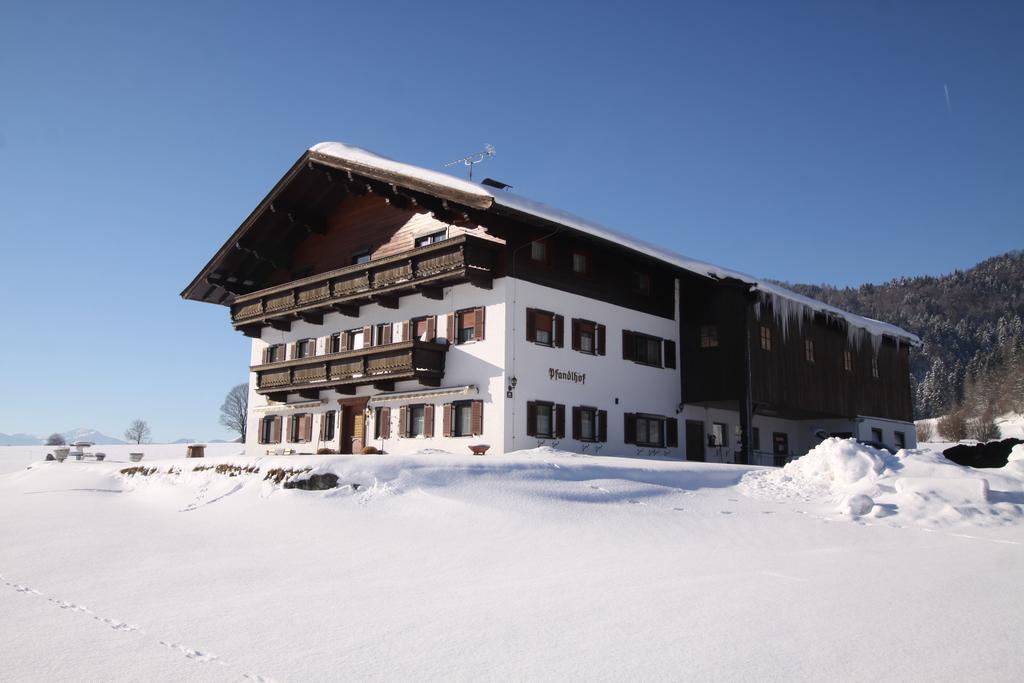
{"x": 972, "y": 326}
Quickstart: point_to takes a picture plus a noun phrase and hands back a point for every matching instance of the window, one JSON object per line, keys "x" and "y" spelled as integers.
{"x": 361, "y": 256}
{"x": 876, "y": 435}
{"x": 766, "y": 338}
{"x": 708, "y": 336}
{"x": 381, "y": 423}
{"x": 463, "y": 418}
{"x": 273, "y": 353}
{"x": 539, "y": 251}
{"x": 719, "y": 435}
{"x": 300, "y": 428}
{"x": 544, "y": 327}
{"x": 647, "y": 349}
{"x": 589, "y": 424}
{"x": 433, "y": 237}
{"x": 305, "y": 348}
{"x": 382, "y": 333}
{"x": 270, "y": 429}
{"x": 422, "y": 328}
{"x": 580, "y": 263}
{"x": 356, "y": 339}
{"x": 640, "y": 283}
{"x": 416, "y": 422}
{"x": 901, "y": 439}
{"x": 809, "y": 350}
{"x": 588, "y": 337}
{"x": 651, "y": 430}
{"x": 466, "y": 325}
{"x": 847, "y": 361}
{"x": 874, "y": 368}
{"x": 327, "y": 421}
{"x": 334, "y": 344}
{"x": 545, "y": 420}
{"x": 780, "y": 443}
{"x": 755, "y": 441}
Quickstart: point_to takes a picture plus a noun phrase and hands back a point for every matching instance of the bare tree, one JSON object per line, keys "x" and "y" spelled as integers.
{"x": 235, "y": 409}
{"x": 925, "y": 431}
{"x": 138, "y": 431}
{"x": 953, "y": 426}
{"x": 55, "y": 439}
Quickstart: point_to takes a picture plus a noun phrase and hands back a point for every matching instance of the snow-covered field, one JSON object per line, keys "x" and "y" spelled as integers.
{"x": 537, "y": 565}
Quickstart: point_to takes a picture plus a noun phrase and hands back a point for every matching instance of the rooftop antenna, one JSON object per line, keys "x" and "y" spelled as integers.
{"x": 473, "y": 159}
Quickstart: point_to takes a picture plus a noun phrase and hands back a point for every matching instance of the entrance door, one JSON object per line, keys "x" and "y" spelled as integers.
{"x": 694, "y": 440}
{"x": 353, "y": 425}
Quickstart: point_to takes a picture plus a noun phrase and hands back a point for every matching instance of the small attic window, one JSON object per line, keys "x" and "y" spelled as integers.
{"x": 361, "y": 256}
{"x": 433, "y": 237}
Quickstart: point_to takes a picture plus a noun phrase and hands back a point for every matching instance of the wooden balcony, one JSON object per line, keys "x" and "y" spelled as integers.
{"x": 380, "y": 366}
{"x": 424, "y": 270}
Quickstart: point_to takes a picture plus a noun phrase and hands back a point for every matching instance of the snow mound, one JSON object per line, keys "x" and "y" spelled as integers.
{"x": 916, "y": 485}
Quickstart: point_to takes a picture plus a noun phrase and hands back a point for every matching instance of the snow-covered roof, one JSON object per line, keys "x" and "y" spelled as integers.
{"x": 786, "y": 303}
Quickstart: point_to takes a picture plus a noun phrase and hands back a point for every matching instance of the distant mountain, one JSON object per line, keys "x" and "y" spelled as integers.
{"x": 185, "y": 441}
{"x": 20, "y": 440}
{"x": 971, "y": 323}
{"x": 87, "y": 434}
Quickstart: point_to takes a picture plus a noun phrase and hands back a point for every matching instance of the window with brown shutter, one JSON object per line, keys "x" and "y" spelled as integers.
{"x": 307, "y": 427}
{"x": 446, "y": 420}
{"x": 477, "y": 417}
{"x": 545, "y": 420}
{"x": 645, "y": 430}
{"x": 544, "y": 327}
{"x": 381, "y": 423}
{"x": 451, "y": 328}
{"x": 480, "y": 326}
{"x": 629, "y": 428}
{"x": 275, "y": 434}
{"x": 601, "y": 340}
{"x": 628, "y": 346}
{"x": 367, "y": 336}
{"x": 766, "y": 338}
{"x": 641, "y": 348}
{"x": 585, "y": 337}
{"x": 403, "y": 421}
{"x": 328, "y": 421}
{"x": 670, "y": 353}
{"x": 428, "y": 420}
{"x": 585, "y": 423}
{"x": 423, "y": 328}
{"x": 266, "y": 355}
{"x": 580, "y": 262}
{"x": 602, "y": 425}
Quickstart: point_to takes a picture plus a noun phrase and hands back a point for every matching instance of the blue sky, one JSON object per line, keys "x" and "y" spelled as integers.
{"x": 810, "y": 142}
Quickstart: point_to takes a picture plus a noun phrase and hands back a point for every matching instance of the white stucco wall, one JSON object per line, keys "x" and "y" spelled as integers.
{"x": 611, "y": 383}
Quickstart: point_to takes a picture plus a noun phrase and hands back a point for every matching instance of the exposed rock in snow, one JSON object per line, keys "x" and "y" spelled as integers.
{"x": 917, "y": 485}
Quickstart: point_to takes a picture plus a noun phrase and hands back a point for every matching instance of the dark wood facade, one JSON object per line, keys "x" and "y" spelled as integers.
{"x": 783, "y": 382}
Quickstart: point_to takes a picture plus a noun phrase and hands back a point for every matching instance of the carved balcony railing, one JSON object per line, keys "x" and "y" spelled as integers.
{"x": 380, "y": 366}
{"x": 424, "y": 270}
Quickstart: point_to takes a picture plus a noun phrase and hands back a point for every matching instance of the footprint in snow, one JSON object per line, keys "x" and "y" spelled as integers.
{"x": 725, "y": 512}
{"x": 767, "y": 512}
{"x": 678, "y": 509}
{"x": 634, "y": 502}
{"x": 190, "y": 653}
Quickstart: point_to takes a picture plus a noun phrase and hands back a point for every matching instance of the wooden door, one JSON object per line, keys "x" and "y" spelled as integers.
{"x": 694, "y": 440}
{"x": 353, "y": 425}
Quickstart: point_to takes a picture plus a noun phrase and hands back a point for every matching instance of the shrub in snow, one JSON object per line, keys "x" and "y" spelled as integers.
{"x": 953, "y": 427}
